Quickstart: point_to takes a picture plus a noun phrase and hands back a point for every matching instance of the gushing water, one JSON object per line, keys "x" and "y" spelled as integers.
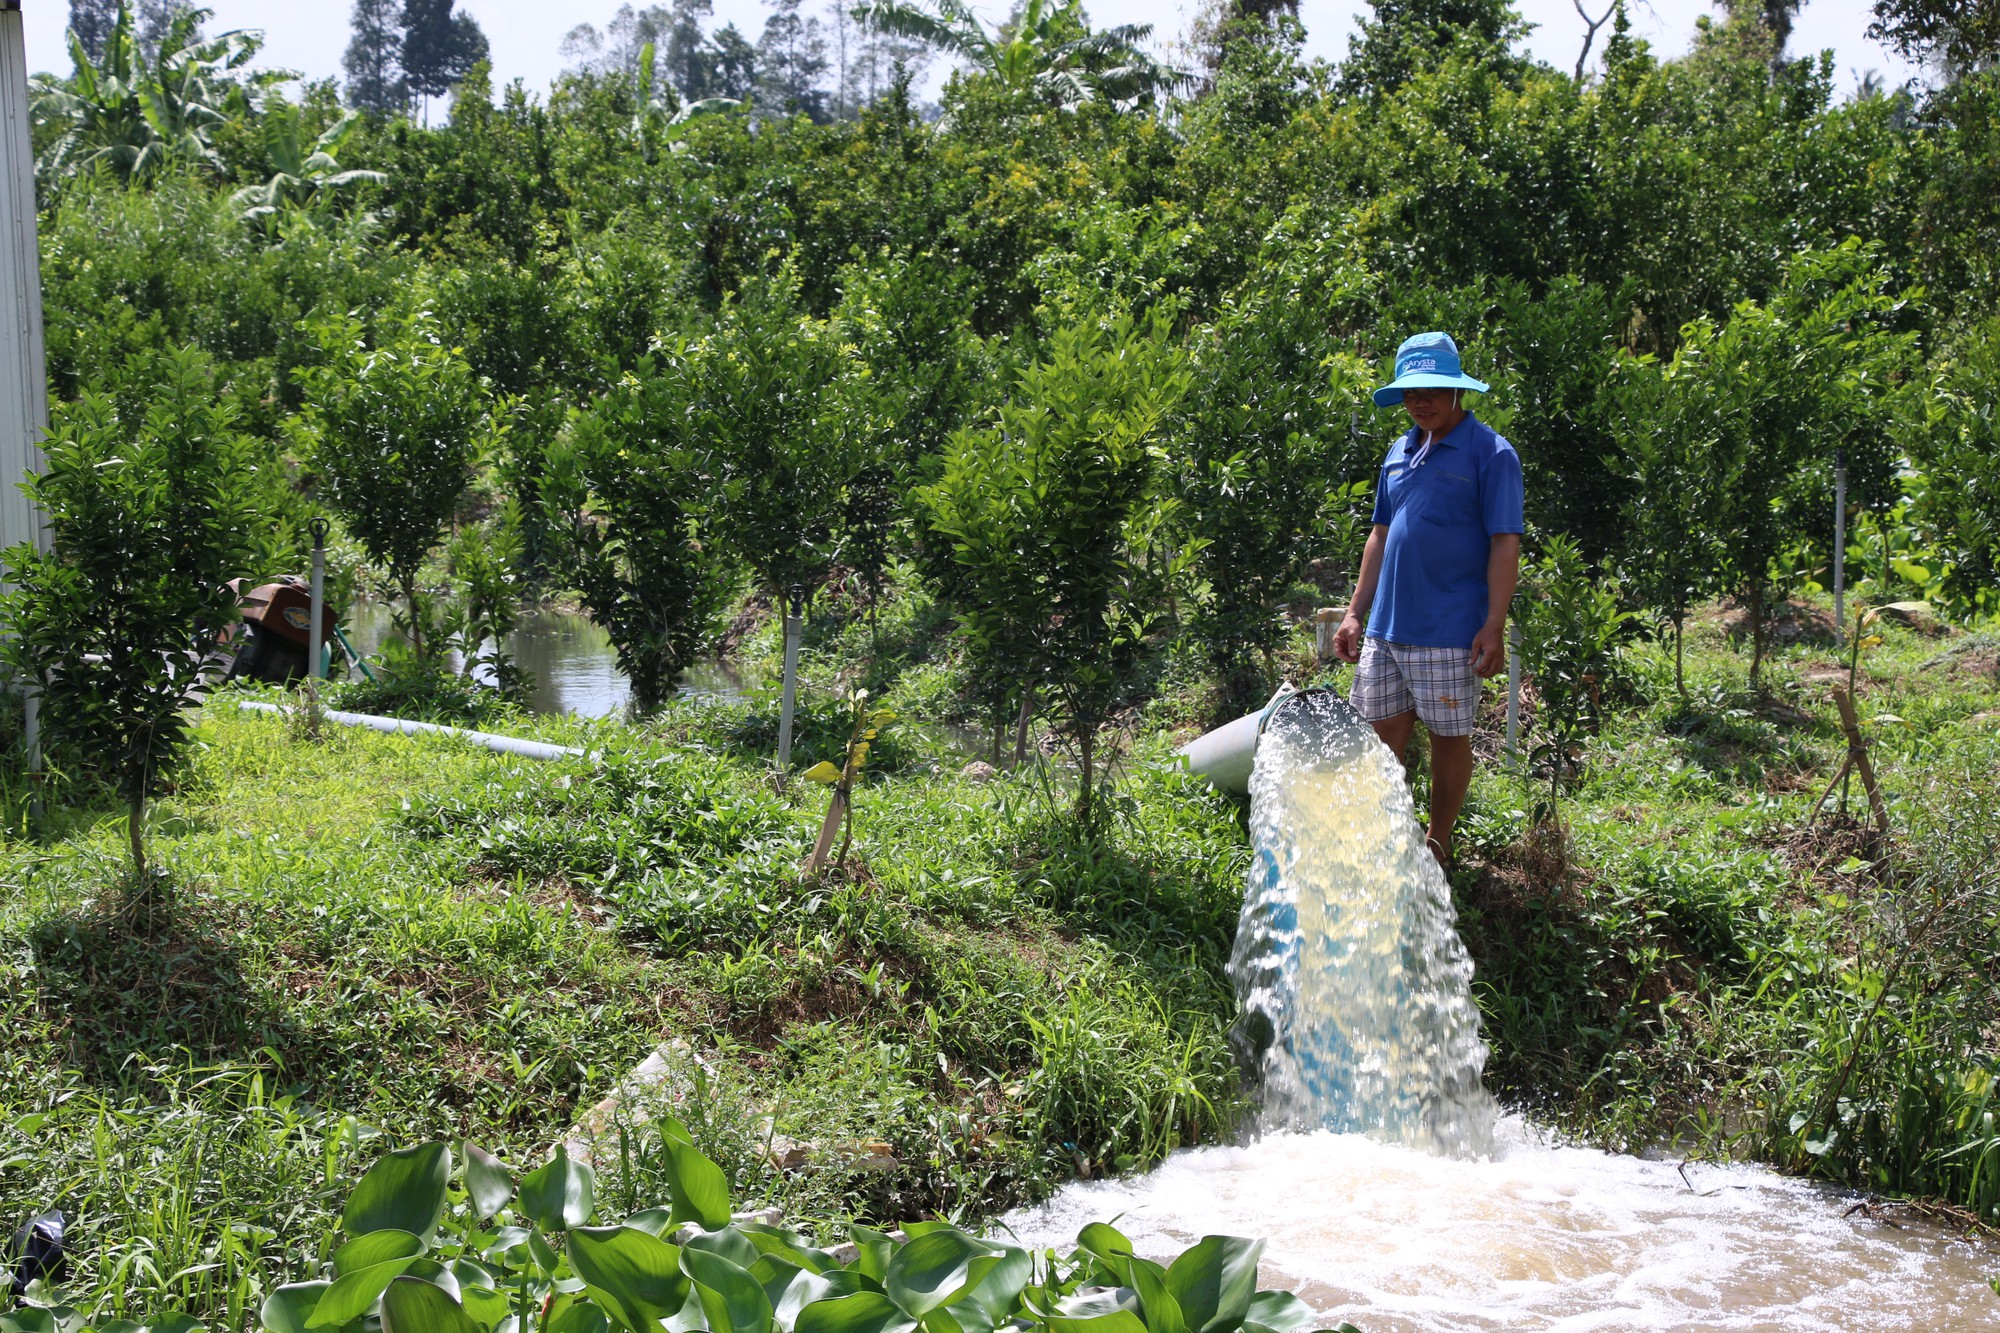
{"x": 1354, "y": 985}
{"x": 1354, "y": 989}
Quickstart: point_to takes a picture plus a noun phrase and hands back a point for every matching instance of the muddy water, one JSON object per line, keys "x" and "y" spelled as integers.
{"x": 569, "y": 662}
{"x": 1540, "y": 1237}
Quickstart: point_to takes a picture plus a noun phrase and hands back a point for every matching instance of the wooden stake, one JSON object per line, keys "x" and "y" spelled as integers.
{"x": 1857, "y": 755}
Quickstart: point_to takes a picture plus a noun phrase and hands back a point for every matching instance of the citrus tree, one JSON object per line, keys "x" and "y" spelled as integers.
{"x": 117, "y": 623}
{"x": 631, "y": 483}
{"x": 1261, "y": 446}
{"x": 392, "y": 431}
{"x": 1053, "y": 509}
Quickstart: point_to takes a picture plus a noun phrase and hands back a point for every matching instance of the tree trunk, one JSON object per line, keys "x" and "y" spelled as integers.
{"x": 1021, "y": 725}
{"x": 416, "y": 618}
{"x": 1087, "y": 752}
{"x": 136, "y": 834}
{"x": 1680, "y": 675}
{"x": 1756, "y": 631}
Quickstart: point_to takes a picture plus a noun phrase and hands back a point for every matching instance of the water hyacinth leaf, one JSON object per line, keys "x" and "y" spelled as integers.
{"x": 863, "y": 1312}
{"x": 377, "y": 1247}
{"x": 173, "y": 1321}
{"x": 807, "y": 1287}
{"x": 402, "y": 1192}
{"x": 1110, "y": 1247}
{"x": 437, "y": 1274}
{"x": 486, "y": 1305}
{"x": 580, "y": 1319}
{"x": 638, "y": 1276}
{"x": 733, "y": 1300}
{"x": 700, "y": 1191}
{"x": 1279, "y": 1310}
{"x": 354, "y": 1294}
{"x": 414, "y": 1306}
{"x": 935, "y": 1269}
{"x": 287, "y": 1308}
{"x": 1214, "y": 1282}
{"x": 487, "y": 1183}
{"x": 874, "y": 1250}
{"x": 1157, "y": 1305}
{"x": 560, "y": 1195}
{"x": 998, "y": 1291}
{"x": 652, "y": 1221}
{"x": 780, "y": 1243}
{"x": 1098, "y": 1310}
{"x": 727, "y": 1242}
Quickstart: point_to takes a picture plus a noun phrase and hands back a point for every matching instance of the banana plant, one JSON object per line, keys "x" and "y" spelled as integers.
{"x": 1049, "y": 48}
{"x": 131, "y": 116}
{"x": 443, "y": 1246}
{"x": 299, "y": 176}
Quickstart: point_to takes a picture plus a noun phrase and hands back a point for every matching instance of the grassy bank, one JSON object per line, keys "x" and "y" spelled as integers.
{"x": 376, "y": 940}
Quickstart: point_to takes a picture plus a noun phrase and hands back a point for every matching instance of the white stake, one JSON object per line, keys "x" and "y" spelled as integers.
{"x": 794, "y": 610}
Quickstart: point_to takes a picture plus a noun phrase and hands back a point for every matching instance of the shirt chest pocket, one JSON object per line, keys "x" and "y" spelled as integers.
{"x": 1451, "y": 499}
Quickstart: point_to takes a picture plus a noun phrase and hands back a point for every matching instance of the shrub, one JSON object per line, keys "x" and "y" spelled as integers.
{"x": 117, "y": 624}
{"x": 1057, "y": 526}
{"x": 393, "y": 432}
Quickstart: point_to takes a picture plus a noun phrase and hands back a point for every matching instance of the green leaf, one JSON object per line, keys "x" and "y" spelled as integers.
{"x": 354, "y": 1294}
{"x": 998, "y": 1291}
{"x": 1110, "y": 1246}
{"x": 875, "y": 1251}
{"x": 560, "y": 1195}
{"x": 637, "y": 1275}
{"x": 286, "y": 1309}
{"x": 402, "y": 1192}
{"x": 700, "y": 1191}
{"x": 1157, "y": 1305}
{"x": 414, "y": 1306}
{"x": 377, "y": 1247}
{"x": 580, "y": 1319}
{"x": 1278, "y": 1310}
{"x": 934, "y": 1269}
{"x": 726, "y": 1242}
{"x": 733, "y": 1300}
{"x": 487, "y": 1183}
{"x": 1098, "y": 1310}
{"x": 863, "y": 1312}
{"x": 1214, "y": 1282}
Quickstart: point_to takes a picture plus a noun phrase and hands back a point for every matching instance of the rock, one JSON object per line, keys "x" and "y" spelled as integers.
{"x": 788, "y": 1154}
{"x": 979, "y": 771}
{"x": 1916, "y": 615}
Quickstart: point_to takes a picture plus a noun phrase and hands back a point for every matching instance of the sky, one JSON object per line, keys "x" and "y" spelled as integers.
{"x": 309, "y": 36}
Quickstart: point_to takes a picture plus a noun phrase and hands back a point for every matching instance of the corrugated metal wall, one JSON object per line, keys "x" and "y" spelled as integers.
{"x": 24, "y": 402}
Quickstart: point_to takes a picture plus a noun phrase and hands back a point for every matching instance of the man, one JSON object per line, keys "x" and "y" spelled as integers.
{"x": 1436, "y": 575}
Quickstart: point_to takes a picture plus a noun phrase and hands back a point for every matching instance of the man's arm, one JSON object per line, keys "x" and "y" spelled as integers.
{"x": 1503, "y": 572}
{"x": 1347, "y": 639}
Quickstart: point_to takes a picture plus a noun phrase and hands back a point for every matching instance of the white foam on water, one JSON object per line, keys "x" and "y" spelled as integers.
{"x": 1539, "y": 1237}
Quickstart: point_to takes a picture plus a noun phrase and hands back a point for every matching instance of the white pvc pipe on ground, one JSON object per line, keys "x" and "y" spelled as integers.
{"x": 403, "y": 727}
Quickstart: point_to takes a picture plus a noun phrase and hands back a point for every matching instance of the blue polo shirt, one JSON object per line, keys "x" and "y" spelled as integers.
{"x": 1442, "y": 511}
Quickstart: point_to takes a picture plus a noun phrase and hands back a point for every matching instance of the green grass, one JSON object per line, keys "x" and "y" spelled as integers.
{"x": 1706, "y": 971}
{"x": 376, "y": 938}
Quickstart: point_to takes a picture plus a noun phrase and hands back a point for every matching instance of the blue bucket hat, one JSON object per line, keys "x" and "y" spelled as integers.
{"x": 1426, "y": 361}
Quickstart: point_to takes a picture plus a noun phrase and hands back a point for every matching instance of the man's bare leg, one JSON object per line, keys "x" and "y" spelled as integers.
{"x": 1451, "y": 775}
{"x": 1396, "y": 731}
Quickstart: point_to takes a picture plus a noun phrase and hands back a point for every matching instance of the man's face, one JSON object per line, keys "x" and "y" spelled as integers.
{"x": 1431, "y": 409}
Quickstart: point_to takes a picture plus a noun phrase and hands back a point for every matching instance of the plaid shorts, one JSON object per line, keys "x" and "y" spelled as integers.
{"x": 1394, "y": 678}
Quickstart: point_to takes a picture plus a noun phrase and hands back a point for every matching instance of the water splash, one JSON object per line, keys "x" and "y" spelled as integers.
{"x": 1354, "y": 985}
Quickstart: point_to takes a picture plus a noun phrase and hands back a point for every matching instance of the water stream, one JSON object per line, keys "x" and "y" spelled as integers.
{"x": 1390, "y": 1192}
